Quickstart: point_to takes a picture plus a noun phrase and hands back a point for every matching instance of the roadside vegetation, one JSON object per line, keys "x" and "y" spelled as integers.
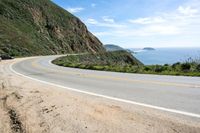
{"x": 182, "y": 69}
{"x": 107, "y": 61}
{"x": 122, "y": 61}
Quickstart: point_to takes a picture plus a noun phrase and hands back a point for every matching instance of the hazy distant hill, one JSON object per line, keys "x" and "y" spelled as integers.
{"x": 148, "y": 48}
{"x": 39, "y": 27}
{"x": 112, "y": 47}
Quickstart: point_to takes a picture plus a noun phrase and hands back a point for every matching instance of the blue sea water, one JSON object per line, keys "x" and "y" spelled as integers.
{"x": 166, "y": 55}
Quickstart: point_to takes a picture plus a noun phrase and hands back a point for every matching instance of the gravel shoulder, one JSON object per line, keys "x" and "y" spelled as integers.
{"x": 27, "y": 106}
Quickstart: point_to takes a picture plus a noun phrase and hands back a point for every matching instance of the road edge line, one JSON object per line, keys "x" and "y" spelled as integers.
{"x": 108, "y": 97}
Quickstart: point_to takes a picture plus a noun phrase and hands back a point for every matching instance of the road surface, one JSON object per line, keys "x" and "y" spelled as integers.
{"x": 168, "y": 93}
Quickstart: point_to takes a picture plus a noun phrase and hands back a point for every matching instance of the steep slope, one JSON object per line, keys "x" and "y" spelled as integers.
{"x": 39, "y": 27}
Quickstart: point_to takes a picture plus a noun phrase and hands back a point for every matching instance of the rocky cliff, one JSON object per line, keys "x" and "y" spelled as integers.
{"x": 40, "y": 27}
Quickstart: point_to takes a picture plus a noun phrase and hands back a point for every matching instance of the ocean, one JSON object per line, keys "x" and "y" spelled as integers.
{"x": 162, "y": 56}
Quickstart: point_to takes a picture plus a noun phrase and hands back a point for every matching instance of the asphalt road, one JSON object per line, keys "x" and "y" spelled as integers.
{"x": 170, "y": 93}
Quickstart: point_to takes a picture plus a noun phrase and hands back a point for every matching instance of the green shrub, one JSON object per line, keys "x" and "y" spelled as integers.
{"x": 175, "y": 65}
{"x": 198, "y": 67}
{"x": 185, "y": 67}
{"x": 147, "y": 68}
{"x": 158, "y": 68}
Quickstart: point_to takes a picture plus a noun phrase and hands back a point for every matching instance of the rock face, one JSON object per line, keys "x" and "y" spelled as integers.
{"x": 39, "y": 27}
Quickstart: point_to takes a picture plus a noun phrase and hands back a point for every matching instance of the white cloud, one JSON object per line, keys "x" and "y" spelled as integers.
{"x": 147, "y": 20}
{"x": 75, "y": 10}
{"x": 160, "y": 30}
{"x": 93, "y": 5}
{"x": 92, "y": 21}
{"x": 142, "y": 32}
{"x": 110, "y": 24}
{"x": 103, "y": 33}
{"x": 108, "y": 19}
{"x": 181, "y": 21}
{"x": 187, "y": 10}
{"x": 178, "y": 27}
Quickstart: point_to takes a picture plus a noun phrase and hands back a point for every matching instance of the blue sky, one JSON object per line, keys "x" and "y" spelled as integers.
{"x": 140, "y": 23}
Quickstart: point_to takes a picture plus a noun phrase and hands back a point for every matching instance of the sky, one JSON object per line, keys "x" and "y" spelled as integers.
{"x": 140, "y": 23}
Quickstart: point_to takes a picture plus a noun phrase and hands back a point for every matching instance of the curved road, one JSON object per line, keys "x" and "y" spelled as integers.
{"x": 169, "y": 93}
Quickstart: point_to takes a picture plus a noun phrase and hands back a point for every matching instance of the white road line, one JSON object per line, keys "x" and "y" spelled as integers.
{"x": 109, "y": 97}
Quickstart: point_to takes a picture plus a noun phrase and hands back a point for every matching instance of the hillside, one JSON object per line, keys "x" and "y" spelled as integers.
{"x": 108, "y": 61}
{"x": 112, "y": 47}
{"x": 39, "y": 27}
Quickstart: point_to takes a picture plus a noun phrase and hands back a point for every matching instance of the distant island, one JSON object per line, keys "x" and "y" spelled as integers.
{"x": 113, "y": 47}
{"x": 130, "y": 51}
{"x": 148, "y": 48}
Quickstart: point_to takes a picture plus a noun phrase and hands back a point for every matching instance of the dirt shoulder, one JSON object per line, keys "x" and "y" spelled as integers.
{"x": 27, "y": 106}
